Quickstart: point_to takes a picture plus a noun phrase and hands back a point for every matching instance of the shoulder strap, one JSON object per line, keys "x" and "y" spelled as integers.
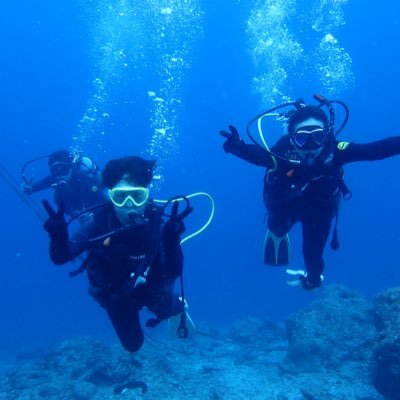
{"x": 154, "y": 215}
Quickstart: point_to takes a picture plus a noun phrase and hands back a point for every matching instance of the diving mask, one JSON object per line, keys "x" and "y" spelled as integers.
{"x": 60, "y": 169}
{"x": 310, "y": 137}
{"x": 136, "y": 194}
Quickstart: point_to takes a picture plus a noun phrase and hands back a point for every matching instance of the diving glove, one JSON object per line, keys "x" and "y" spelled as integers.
{"x": 27, "y": 188}
{"x": 302, "y": 281}
{"x": 232, "y": 139}
{"x": 56, "y": 225}
{"x": 174, "y": 227}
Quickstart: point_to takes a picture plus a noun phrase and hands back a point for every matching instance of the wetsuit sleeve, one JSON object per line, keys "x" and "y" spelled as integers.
{"x": 43, "y": 184}
{"x": 62, "y": 252}
{"x": 173, "y": 257}
{"x": 378, "y": 150}
{"x": 252, "y": 154}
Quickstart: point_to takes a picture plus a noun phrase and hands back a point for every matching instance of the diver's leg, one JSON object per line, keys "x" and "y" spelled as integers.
{"x": 316, "y": 223}
{"x": 124, "y": 317}
{"x": 167, "y": 305}
{"x": 162, "y": 301}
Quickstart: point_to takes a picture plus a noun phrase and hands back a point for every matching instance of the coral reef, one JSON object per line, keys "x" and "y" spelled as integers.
{"x": 335, "y": 332}
{"x": 386, "y": 374}
{"x": 341, "y": 347}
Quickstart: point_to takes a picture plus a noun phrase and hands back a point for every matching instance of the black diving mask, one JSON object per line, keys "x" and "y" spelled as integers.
{"x": 310, "y": 137}
{"x": 60, "y": 169}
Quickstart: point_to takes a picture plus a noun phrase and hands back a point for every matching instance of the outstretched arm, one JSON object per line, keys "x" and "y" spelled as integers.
{"x": 45, "y": 183}
{"x": 378, "y": 150}
{"x": 61, "y": 249}
{"x": 248, "y": 152}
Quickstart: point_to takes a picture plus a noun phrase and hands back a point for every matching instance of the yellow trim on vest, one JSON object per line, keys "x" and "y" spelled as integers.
{"x": 342, "y": 145}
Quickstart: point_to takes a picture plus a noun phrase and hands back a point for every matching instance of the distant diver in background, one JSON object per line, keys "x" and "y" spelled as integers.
{"x": 133, "y": 256}
{"x": 76, "y": 181}
{"x": 304, "y": 180}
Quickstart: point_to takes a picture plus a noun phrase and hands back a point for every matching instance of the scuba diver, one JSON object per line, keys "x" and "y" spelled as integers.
{"x": 76, "y": 181}
{"x": 304, "y": 179}
{"x": 133, "y": 256}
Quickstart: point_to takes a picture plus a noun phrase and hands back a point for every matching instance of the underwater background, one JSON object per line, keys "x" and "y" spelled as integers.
{"x": 161, "y": 79}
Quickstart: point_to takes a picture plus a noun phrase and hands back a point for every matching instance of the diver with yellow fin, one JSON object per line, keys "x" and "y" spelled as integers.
{"x": 304, "y": 179}
{"x": 134, "y": 256}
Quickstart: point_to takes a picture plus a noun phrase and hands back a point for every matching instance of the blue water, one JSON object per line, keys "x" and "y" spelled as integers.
{"x": 46, "y": 74}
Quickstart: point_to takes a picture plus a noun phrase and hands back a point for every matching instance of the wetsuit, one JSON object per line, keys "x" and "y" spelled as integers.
{"x": 310, "y": 195}
{"x": 83, "y": 190}
{"x": 114, "y": 264}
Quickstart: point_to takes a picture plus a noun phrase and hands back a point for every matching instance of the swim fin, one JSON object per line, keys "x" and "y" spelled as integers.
{"x": 300, "y": 280}
{"x": 276, "y": 249}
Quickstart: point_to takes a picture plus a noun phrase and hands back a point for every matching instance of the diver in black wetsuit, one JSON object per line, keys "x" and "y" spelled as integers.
{"x": 133, "y": 259}
{"x": 76, "y": 181}
{"x": 304, "y": 182}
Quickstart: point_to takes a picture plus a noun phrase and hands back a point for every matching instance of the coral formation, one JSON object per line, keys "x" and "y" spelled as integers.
{"x": 341, "y": 347}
